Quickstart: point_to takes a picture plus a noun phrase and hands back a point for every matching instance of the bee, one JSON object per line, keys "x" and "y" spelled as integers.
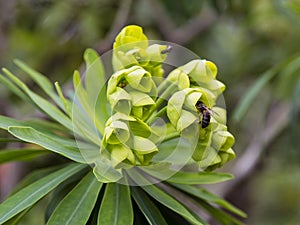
{"x": 205, "y": 112}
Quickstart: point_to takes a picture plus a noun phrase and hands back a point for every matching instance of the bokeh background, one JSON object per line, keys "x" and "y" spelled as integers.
{"x": 255, "y": 44}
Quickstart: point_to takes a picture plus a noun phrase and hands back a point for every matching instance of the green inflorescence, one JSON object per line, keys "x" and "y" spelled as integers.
{"x": 138, "y": 95}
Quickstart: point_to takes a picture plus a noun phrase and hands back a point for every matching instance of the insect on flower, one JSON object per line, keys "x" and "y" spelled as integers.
{"x": 205, "y": 112}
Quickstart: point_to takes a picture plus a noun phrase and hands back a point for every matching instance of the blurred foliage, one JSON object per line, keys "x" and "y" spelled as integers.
{"x": 248, "y": 39}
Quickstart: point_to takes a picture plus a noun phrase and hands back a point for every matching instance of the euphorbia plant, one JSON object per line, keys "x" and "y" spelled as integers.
{"x": 131, "y": 136}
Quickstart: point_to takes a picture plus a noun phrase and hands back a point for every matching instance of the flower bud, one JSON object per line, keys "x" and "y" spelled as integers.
{"x": 200, "y": 71}
{"x": 156, "y": 58}
{"x": 141, "y": 104}
{"x": 214, "y": 148}
{"x": 135, "y": 57}
{"x": 120, "y": 101}
{"x": 117, "y": 132}
{"x": 180, "y": 78}
{"x": 222, "y": 140}
{"x": 121, "y": 153}
{"x": 144, "y": 149}
{"x": 126, "y": 141}
{"x": 131, "y": 49}
{"x": 131, "y": 91}
{"x": 131, "y": 37}
{"x": 181, "y": 109}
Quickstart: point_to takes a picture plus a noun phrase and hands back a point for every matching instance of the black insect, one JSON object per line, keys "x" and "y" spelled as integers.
{"x": 205, "y": 112}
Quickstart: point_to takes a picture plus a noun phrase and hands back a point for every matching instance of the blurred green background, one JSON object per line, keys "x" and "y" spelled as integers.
{"x": 255, "y": 44}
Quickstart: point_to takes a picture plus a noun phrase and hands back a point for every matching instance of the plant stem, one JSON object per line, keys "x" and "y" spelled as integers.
{"x": 171, "y": 136}
{"x": 163, "y": 85}
{"x": 161, "y": 99}
{"x": 157, "y": 114}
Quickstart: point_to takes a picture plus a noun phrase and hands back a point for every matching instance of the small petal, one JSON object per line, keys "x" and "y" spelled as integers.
{"x": 187, "y": 99}
{"x": 140, "y": 79}
{"x": 141, "y": 99}
{"x": 180, "y": 78}
{"x": 185, "y": 120}
{"x": 226, "y": 156}
{"x": 209, "y": 158}
{"x": 219, "y": 114}
{"x": 105, "y": 172}
{"x": 118, "y": 154}
{"x": 200, "y": 71}
{"x": 143, "y": 146}
{"x": 155, "y": 54}
{"x": 120, "y": 101}
{"x": 222, "y": 140}
{"x": 117, "y": 132}
{"x": 130, "y": 37}
{"x": 174, "y": 107}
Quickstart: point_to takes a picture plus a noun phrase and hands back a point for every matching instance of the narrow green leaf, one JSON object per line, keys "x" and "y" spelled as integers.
{"x": 105, "y": 172}
{"x": 163, "y": 197}
{"x": 188, "y": 177}
{"x": 48, "y": 129}
{"x": 288, "y": 78}
{"x": 42, "y": 124}
{"x": 250, "y": 95}
{"x": 6, "y": 122}
{"x": 41, "y": 80}
{"x": 116, "y": 208}
{"x": 65, "y": 102}
{"x": 83, "y": 126}
{"x": 34, "y": 176}
{"x": 95, "y": 83}
{"x": 199, "y": 178}
{"x": 198, "y": 217}
{"x": 44, "y": 127}
{"x": 42, "y": 103}
{"x": 83, "y": 115}
{"x": 35, "y": 191}
{"x": 77, "y": 206}
{"x": 17, "y": 219}
{"x": 94, "y": 76}
{"x": 31, "y": 135}
{"x": 9, "y": 155}
{"x": 220, "y": 215}
{"x": 9, "y": 140}
{"x": 210, "y": 197}
{"x": 148, "y": 208}
{"x": 12, "y": 87}
{"x": 62, "y": 190}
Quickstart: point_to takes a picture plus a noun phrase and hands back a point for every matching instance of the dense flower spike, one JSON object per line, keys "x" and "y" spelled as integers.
{"x": 137, "y": 100}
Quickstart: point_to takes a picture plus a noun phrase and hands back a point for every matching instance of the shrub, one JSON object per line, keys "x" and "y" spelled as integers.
{"x": 139, "y": 137}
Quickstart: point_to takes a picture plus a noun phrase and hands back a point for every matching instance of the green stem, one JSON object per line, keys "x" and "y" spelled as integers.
{"x": 157, "y": 114}
{"x": 161, "y": 99}
{"x": 163, "y": 85}
{"x": 171, "y": 136}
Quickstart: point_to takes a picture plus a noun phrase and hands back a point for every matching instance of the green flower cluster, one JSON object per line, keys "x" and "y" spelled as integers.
{"x": 131, "y": 47}
{"x": 196, "y": 82}
{"x": 137, "y": 98}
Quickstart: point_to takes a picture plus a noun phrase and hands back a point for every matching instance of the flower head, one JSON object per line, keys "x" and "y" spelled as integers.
{"x": 131, "y": 48}
{"x": 131, "y": 90}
